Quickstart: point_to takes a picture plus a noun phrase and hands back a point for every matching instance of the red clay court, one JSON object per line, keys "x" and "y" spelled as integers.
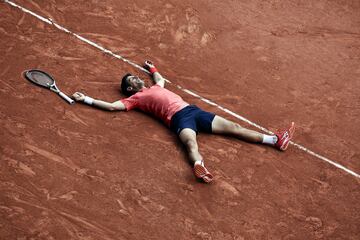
{"x": 74, "y": 172}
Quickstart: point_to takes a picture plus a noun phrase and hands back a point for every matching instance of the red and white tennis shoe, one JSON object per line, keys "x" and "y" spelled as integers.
{"x": 200, "y": 171}
{"x": 284, "y": 137}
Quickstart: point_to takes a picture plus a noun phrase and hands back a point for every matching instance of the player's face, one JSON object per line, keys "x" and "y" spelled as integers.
{"x": 135, "y": 82}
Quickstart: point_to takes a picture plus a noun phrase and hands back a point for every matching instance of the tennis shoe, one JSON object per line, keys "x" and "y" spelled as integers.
{"x": 284, "y": 137}
{"x": 201, "y": 172}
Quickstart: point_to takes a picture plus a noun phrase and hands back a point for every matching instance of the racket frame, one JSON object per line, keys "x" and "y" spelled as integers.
{"x": 52, "y": 87}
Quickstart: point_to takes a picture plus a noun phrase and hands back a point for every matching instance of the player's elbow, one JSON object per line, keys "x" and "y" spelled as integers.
{"x": 111, "y": 108}
{"x": 161, "y": 83}
{"x": 116, "y": 106}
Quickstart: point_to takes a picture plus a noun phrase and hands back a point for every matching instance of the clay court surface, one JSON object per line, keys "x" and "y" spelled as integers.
{"x": 74, "y": 172}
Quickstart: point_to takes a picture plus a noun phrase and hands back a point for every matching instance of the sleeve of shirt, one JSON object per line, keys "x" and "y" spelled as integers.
{"x": 130, "y": 102}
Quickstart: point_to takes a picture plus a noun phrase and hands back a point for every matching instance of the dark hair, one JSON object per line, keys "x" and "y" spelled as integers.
{"x": 125, "y": 84}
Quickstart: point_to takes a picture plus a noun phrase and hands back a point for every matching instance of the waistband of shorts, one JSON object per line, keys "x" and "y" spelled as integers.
{"x": 182, "y": 112}
{"x": 187, "y": 108}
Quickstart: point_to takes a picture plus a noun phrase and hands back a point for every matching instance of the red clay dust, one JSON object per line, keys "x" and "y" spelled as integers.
{"x": 76, "y": 172}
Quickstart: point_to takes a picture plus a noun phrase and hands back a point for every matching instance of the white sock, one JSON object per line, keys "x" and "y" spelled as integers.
{"x": 200, "y": 162}
{"x": 269, "y": 139}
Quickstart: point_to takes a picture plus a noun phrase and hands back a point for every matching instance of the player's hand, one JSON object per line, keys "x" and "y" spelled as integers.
{"x": 149, "y": 65}
{"x": 78, "y": 96}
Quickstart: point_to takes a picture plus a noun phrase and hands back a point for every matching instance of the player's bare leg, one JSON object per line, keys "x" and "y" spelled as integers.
{"x": 280, "y": 140}
{"x": 188, "y": 138}
{"x": 221, "y": 125}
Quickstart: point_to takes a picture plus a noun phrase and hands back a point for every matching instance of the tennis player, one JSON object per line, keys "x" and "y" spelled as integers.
{"x": 182, "y": 118}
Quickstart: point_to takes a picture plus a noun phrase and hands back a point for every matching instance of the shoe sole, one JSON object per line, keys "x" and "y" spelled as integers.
{"x": 291, "y": 131}
{"x": 201, "y": 172}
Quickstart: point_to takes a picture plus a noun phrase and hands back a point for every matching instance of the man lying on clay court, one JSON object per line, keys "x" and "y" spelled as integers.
{"x": 184, "y": 119}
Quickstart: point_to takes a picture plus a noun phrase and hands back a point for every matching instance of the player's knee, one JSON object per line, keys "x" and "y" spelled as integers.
{"x": 191, "y": 145}
{"x": 237, "y": 126}
{"x": 234, "y": 127}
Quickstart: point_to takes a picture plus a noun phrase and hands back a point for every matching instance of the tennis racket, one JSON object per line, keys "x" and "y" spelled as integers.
{"x": 43, "y": 79}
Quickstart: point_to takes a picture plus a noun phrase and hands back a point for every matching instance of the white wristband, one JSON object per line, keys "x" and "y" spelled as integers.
{"x": 88, "y": 100}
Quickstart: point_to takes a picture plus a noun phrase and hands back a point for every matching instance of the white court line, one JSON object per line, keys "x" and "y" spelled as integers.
{"x": 51, "y": 22}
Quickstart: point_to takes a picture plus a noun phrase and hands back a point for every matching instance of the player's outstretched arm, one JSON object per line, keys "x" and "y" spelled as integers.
{"x": 158, "y": 79}
{"x": 115, "y": 106}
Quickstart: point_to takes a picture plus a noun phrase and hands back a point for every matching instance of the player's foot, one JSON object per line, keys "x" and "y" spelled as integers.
{"x": 284, "y": 137}
{"x": 200, "y": 171}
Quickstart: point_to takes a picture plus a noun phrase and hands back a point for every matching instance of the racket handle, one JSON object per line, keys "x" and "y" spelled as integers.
{"x": 64, "y": 96}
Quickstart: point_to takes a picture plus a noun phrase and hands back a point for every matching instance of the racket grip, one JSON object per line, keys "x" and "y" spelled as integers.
{"x": 64, "y": 96}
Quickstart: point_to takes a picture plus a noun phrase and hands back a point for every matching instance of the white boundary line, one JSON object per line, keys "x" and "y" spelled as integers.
{"x": 51, "y": 22}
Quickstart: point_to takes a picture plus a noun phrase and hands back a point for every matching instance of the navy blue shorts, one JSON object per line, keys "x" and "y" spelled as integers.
{"x": 192, "y": 117}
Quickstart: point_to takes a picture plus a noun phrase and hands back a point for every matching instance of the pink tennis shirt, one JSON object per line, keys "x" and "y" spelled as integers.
{"x": 157, "y": 101}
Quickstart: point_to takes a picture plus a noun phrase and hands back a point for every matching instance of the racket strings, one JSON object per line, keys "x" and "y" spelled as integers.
{"x": 41, "y": 79}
